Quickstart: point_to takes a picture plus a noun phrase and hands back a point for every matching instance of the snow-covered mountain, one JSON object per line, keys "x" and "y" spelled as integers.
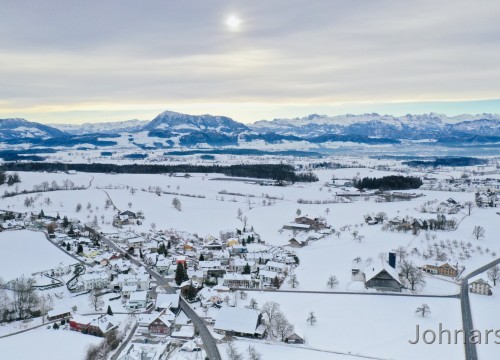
{"x": 374, "y": 125}
{"x": 172, "y": 130}
{"x": 103, "y": 127}
{"x": 20, "y": 128}
{"x": 177, "y": 122}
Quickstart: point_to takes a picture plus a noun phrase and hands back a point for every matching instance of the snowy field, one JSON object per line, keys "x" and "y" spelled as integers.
{"x": 369, "y": 325}
{"x": 47, "y": 344}
{"x": 27, "y": 252}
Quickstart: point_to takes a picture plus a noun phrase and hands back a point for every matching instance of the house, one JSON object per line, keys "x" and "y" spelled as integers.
{"x": 137, "y": 300}
{"x": 276, "y": 266}
{"x": 212, "y": 268}
{"x": 129, "y": 214}
{"x": 161, "y": 325}
{"x": 443, "y": 269}
{"x": 297, "y": 227}
{"x": 135, "y": 242}
{"x": 238, "y": 265}
{"x": 294, "y": 339}
{"x": 97, "y": 280}
{"x": 209, "y": 296}
{"x": 234, "y": 280}
{"x": 185, "y": 332}
{"x": 236, "y": 321}
{"x": 99, "y": 326}
{"x": 167, "y": 301}
{"x": 480, "y": 287}
{"x": 267, "y": 277}
{"x": 58, "y": 314}
{"x": 383, "y": 277}
{"x": 102, "y": 325}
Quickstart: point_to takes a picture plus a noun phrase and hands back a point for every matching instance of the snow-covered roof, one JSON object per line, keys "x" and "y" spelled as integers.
{"x": 167, "y": 301}
{"x": 371, "y": 272}
{"x": 139, "y": 296}
{"x": 237, "y": 319}
{"x": 276, "y": 264}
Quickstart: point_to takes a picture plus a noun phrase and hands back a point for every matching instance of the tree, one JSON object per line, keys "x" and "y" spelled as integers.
{"x": 95, "y": 299}
{"x": 247, "y": 269}
{"x": 239, "y": 214}
{"x": 80, "y": 249}
{"x": 243, "y": 295}
{"x": 478, "y": 232}
{"x": 68, "y": 247}
{"x": 298, "y": 212}
{"x": 469, "y": 205}
{"x": 176, "y": 203}
{"x": 232, "y": 352}
{"x": 412, "y": 275}
{"x": 292, "y": 281}
{"x": 180, "y": 274}
{"x": 253, "y": 354}
{"x": 25, "y": 298}
{"x": 202, "y": 257}
{"x": 109, "y": 311}
{"x": 282, "y": 328}
{"x": 332, "y": 281}
{"x": 78, "y": 207}
{"x": 253, "y": 304}
{"x": 494, "y": 274}
{"x": 311, "y": 319}
{"x": 423, "y": 310}
{"x": 65, "y": 222}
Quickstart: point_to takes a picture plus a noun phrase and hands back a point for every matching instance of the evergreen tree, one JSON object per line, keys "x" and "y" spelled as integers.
{"x": 68, "y": 247}
{"x": 247, "y": 269}
{"x": 179, "y": 274}
{"x": 202, "y": 258}
{"x": 80, "y": 249}
{"x": 41, "y": 215}
{"x": 109, "y": 312}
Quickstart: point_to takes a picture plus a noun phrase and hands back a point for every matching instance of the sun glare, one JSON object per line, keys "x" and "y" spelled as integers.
{"x": 233, "y": 22}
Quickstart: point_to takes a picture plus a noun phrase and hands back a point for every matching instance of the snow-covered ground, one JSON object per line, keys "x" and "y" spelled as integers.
{"x": 47, "y": 344}
{"x": 27, "y": 252}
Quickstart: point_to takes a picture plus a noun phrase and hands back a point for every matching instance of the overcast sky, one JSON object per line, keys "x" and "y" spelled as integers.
{"x": 96, "y": 60}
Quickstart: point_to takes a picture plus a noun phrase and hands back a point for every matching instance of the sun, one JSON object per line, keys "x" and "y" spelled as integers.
{"x": 233, "y": 22}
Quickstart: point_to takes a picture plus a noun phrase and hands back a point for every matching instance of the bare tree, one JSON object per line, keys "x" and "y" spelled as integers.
{"x": 95, "y": 299}
{"x": 412, "y": 275}
{"x": 292, "y": 281}
{"x": 239, "y": 214}
{"x": 232, "y": 352}
{"x": 298, "y": 212}
{"x": 253, "y": 354}
{"x": 332, "y": 281}
{"x": 423, "y": 310}
{"x": 78, "y": 207}
{"x": 282, "y": 328}
{"x": 311, "y": 319}
{"x": 494, "y": 274}
{"x": 478, "y": 232}
{"x": 24, "y": 295}
{"x": 469, "y": 205}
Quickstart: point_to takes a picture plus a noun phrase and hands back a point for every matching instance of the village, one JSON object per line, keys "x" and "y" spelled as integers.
{"x": 151, "y": 291}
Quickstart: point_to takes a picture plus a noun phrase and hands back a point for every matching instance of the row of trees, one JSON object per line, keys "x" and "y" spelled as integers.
{"x": 279, "y": 172}
{"x": 392, "y": 182}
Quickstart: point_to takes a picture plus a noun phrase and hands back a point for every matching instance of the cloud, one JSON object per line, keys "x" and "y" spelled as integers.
{"x": 89, "y": 59}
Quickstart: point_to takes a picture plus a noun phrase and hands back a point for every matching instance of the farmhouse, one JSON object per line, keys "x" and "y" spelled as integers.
{"x": 480, "y": 287}
{"x": 383, "y": 277}
{"x": 239, "y": 322}
{"x": 444, "y": 269}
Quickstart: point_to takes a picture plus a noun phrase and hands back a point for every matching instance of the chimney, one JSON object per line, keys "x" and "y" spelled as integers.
{"x": 392, "y": 259}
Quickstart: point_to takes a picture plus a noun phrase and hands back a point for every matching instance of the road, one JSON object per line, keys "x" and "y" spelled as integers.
{"x": 352, "y": 293}
{"x": 467, "y": 324}
{"x": 207, "y": 338}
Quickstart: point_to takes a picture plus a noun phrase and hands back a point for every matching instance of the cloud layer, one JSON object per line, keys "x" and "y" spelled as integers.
{"x": 96, "y": 60}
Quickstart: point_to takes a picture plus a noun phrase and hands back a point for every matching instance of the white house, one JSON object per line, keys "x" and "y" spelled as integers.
{"x": 238, "y": 265}
{"x": 137, "y": 300}
{"x": 480, "y": 287}
{"x": 97, "y": 280}
{"x": 276, "y": 266}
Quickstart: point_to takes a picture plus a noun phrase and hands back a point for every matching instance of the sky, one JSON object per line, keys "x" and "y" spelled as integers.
{"x": 68, "y": 61}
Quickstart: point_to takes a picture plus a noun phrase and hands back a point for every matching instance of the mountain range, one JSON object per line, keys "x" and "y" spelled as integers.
{"x": 171, "y": 130}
